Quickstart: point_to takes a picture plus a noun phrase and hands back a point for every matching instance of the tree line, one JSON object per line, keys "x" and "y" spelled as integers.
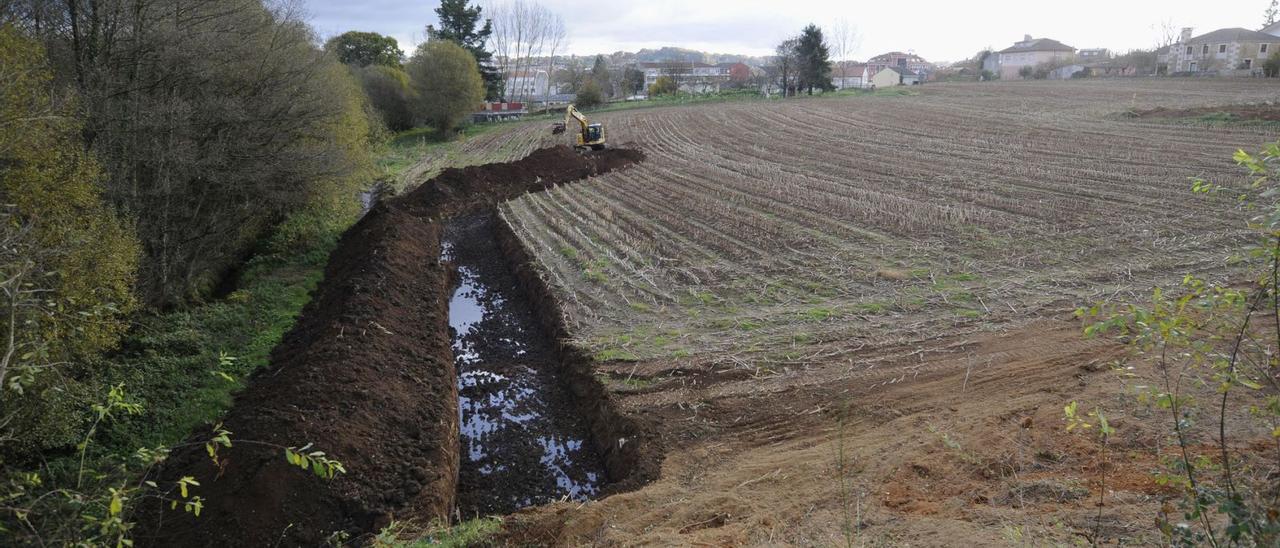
{"x": 148, "y": 148}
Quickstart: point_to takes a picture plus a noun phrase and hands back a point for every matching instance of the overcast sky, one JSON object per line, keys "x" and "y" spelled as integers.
{"x": 939, "y": 30}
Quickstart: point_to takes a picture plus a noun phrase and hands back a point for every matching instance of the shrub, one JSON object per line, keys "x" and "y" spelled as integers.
{"x": 389, "y": 93}
{"x": 589, "y": 95}
{"x": 67, "y": 263}
{"x": 1271, "y": 68}
{"x": 664, "y": 85}
{"x": 1026, "y": 72}
{"x": 447, "y": 82}
{"x": 1218, "y": 336}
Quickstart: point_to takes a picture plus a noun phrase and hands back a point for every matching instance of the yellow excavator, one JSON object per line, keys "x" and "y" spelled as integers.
{"x": 589, "y": 135}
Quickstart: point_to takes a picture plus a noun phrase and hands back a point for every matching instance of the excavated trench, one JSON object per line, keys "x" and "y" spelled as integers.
{"x": 522, "y": 440}
{"x": 432, "y": 362}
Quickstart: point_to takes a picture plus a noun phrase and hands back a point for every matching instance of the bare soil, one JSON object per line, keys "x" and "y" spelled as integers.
{"x": 954, "y": 442}
{"x": 366, "y": 375}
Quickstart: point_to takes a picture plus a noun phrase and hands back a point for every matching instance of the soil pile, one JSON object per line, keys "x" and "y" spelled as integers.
{"x": 471, "y": 188}
{"x": 366, "y": 375}
{"x": 1225, "y": 113}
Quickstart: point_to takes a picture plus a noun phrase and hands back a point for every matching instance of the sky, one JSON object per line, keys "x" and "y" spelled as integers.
{"x": 938, "y": 30}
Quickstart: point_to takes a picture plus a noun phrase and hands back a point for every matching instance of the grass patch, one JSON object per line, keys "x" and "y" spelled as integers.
{"x": 170, "y": 362}
{"x": 616, "y": 355}
{"x": 475, "y": 532}
{"x": 872, "y": 308}
{"x": 748, "y": 325}
{"x": 818, "y": 314}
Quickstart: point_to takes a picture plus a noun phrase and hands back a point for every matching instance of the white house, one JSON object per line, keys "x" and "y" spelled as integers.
{"x": 849, "y": 75}
{"x": 1031, "y": 52}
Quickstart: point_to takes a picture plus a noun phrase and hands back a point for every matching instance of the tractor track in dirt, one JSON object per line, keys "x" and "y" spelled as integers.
{"x": 367, "y": 375}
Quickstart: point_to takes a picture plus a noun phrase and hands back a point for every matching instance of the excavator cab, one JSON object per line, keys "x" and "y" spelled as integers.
{"x": 594, "y": 136}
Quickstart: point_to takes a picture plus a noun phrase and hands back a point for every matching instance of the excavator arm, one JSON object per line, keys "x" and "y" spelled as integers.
{"x": 572, "y": 114}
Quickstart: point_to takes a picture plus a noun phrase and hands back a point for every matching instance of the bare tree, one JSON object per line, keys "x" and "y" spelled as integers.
{"x": 845, "y": 41}
{"x": 524, "y": 32}
{"x": 1168, "y": 33}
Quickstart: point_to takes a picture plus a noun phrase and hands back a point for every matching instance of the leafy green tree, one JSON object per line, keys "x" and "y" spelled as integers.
{"x": 389, "y": 93}
{"x": 365, "y": 48}
{"x": 67, "y": 262}
{"x": 815, "y": 60}
{"x": 589, "y": 95}
{"x": 446, "y": 82}
{"x": 461, "y": 25}
{"x": 1272, "y": 11}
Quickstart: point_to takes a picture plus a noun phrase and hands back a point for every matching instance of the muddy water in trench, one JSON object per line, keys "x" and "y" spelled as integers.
{"x": 522, "y": 443}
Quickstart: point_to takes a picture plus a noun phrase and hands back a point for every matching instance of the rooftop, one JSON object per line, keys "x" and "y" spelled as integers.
{"x": 1037, "y": 44}
{"x": 1233, "y": 35}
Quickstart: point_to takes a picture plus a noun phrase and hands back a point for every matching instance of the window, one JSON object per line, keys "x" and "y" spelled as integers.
{"x": 1248, "y": 64}
{"x": 1193, "y": 66}
{"x": 1204, "y": 50}
{"x": 1222, "y": 48}
{"x": 1263, "y": 48}
{"x": 1190, "y": 50}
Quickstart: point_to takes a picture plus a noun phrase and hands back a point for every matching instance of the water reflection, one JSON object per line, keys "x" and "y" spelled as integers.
{"x": 522, "y": 443}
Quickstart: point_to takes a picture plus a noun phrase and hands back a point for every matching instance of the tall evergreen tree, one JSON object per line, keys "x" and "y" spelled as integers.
{"x": 815, "y": 60}
{"x": 1272, "y": 11}
{"x": 600, "y": 74}
{"x": 458, "y": 24}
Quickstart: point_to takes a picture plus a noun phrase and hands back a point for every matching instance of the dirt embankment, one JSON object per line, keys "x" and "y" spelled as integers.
{"x": 1224, "y": 113}
{"x": 367, "y": 375}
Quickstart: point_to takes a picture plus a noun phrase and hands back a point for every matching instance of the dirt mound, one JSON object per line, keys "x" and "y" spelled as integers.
{"x": 367, "y": 375}
{"x": 1225, "y": 113}
{"x": 466, "y": 189}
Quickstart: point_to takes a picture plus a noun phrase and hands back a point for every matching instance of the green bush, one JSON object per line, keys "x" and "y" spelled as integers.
{"x": 389, "y": 93}
{"x": 447, "y": 84}
{"x": 67, "y": 263}
{"x": 589, "y": 95}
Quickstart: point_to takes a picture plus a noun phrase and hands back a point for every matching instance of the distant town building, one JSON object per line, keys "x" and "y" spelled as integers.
{"x": 690, "y": 77}
{"x": 526, "y": 84}
{"x": 1031, "y": 52}
{"x": 1228, "y": 52}
{"x": 910, "y": 61}
{"x": 894, "y": 76}
{"x": 848, "y": 74}
{"x": 1095, "y": 54}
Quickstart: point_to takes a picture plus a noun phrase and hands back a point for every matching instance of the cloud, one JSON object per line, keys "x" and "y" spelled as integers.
{"x": 936, "y": 29}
